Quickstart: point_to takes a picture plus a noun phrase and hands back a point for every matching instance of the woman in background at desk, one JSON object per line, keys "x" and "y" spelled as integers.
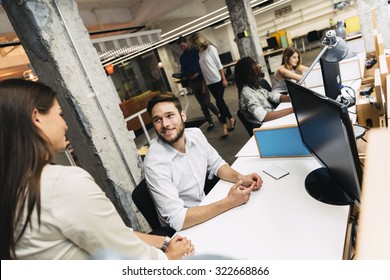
{"x": 291, "y": 69}
{"x": 51, "y": 211}
{"x": 214, "y": 76}
{"x": 255, "y": 103}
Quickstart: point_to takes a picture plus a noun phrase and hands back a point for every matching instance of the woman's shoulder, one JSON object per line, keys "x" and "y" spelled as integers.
{"x": 60, "y": 174}
{"x": 247, "y": 90}
{"x": 66, "y": 183}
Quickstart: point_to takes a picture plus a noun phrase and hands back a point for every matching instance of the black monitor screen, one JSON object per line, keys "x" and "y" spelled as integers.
{"x": 226, "y": 57}
{"x": 327, "y": 132}
{"x": 332, "y": 78}
{"x": 272, "y": 43}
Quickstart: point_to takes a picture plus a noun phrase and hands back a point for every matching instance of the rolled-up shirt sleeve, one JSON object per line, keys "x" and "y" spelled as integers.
{"x": 215, "y": 161}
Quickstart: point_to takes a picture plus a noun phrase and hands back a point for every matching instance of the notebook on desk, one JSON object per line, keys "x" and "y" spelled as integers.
{"x": 280, "y": 141}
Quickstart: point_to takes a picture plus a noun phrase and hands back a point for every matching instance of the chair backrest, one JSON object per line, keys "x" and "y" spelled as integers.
{"x": 248, "y": 125}
{"x": 144, "y": 202}
{"x": 265, "y": 85}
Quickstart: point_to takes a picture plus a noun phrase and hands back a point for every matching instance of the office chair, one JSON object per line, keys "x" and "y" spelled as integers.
{"x": 265, "y": 85}
{"x": 248, "y": 125}
{"x": 144, "y": 202}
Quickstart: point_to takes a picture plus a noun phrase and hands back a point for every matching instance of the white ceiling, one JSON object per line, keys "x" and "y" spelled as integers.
{"x": 155, "y": 14}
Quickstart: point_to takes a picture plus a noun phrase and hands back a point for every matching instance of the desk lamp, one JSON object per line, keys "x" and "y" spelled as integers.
{"x": 335, "y": 49}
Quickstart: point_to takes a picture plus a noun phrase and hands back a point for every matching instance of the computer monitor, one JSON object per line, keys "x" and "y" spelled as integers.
{"x": 272, "y": 43}
{"x": 226, "y": 57}
{"x": 331, "y": 78}
{"x": 327, "y": 131}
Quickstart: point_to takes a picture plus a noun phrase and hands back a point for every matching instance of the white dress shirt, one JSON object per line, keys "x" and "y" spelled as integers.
{"x": 77, "y": 220}
{"x": 176, "y": 180}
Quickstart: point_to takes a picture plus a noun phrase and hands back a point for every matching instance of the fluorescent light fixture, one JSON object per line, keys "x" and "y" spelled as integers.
{"x": 266, "y": 8}
{"x": 192, "y": 22}
{"x": 258, "y": 11}
{"x": 223, "y": 24}
{"x": 253, "y": 4}
{"x": 193, "y": 28}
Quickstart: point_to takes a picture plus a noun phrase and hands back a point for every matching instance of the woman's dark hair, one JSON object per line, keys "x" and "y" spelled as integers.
{"x": 245, "y": 74}
{"x": 24, "y": 151}
{"x": 163, "y": 97}
{"x": 287, "y": 53}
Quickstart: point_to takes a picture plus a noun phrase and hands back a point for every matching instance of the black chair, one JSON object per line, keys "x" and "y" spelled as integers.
{"x": 144, "y": 202}
{"x": 210, "y": 183}
{"x": 265, "y": 85}
{"x": 248, "y": 125}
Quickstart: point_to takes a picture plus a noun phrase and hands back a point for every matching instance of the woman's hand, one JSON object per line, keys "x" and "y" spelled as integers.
{"x": 179, "y": 247}
{"x": 224, "y": 83}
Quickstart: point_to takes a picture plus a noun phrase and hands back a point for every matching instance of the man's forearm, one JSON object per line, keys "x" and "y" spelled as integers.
{"x": 199, "y": 214}
{"x": 225, "y": 172}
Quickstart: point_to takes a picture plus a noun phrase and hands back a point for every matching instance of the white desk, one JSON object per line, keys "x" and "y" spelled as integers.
{"x": 280, "y": 221}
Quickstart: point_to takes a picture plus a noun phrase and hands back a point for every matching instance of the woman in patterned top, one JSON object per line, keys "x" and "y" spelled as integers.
{"x": 255, "y": 103}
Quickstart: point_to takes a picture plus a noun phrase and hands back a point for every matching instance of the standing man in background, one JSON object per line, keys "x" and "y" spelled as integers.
{"x": 190, "y": 69}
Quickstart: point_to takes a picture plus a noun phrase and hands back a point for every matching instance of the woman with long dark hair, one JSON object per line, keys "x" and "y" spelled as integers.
{"x": 51, "y": 211}
{"x": 255, "y": 103}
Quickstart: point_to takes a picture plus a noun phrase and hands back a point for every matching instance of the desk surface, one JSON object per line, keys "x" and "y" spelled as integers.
{"x": 270, "y": 52}
{"x": 280, "y": 221}
{"x": 229, "y": 64}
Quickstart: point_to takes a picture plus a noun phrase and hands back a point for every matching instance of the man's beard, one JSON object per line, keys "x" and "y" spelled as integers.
{"x": 174, "y": 140}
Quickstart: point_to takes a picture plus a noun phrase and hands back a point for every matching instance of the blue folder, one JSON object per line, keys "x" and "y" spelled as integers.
{"x": 281, "y": 141}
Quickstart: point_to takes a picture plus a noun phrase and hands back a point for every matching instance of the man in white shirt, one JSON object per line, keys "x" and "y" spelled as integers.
{"x": 176, "y": 166}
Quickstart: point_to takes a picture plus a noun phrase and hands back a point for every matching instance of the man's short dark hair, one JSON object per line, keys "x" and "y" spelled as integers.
{"x": 181, "y": 40}
{"x": 164, "y": 97}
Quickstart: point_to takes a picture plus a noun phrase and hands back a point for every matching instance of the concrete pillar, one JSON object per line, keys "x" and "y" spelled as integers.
{"x": 59, "y": 48}
{"x": 169, "y": 66}
{"x": 242, "y": 20}
{"x": 381, "y": 9}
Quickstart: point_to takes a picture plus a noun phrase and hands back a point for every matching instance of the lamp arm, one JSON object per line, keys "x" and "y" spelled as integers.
{"x": 313, "y": 64}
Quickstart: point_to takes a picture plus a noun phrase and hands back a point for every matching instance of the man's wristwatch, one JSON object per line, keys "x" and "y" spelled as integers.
{"x": 164, "y": 246}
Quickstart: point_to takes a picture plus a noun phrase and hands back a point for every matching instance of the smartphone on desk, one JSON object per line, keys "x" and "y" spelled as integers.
{"x": 275, "y": 172}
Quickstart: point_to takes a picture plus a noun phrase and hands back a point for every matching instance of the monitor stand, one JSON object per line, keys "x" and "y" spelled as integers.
{"x": 320, "y": 185}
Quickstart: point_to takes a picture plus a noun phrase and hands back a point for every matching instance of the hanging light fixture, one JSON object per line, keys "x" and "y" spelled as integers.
{"x": 109, "y": 68}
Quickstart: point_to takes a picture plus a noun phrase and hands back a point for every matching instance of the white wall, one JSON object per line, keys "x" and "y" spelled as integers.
{"x": 305, "y": 16}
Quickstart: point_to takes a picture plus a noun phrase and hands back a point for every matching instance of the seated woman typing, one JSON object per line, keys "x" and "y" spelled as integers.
{"x": 291, "y": 69}
{"x": 52, "y": 211}
{"x": 255, "y": 103}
